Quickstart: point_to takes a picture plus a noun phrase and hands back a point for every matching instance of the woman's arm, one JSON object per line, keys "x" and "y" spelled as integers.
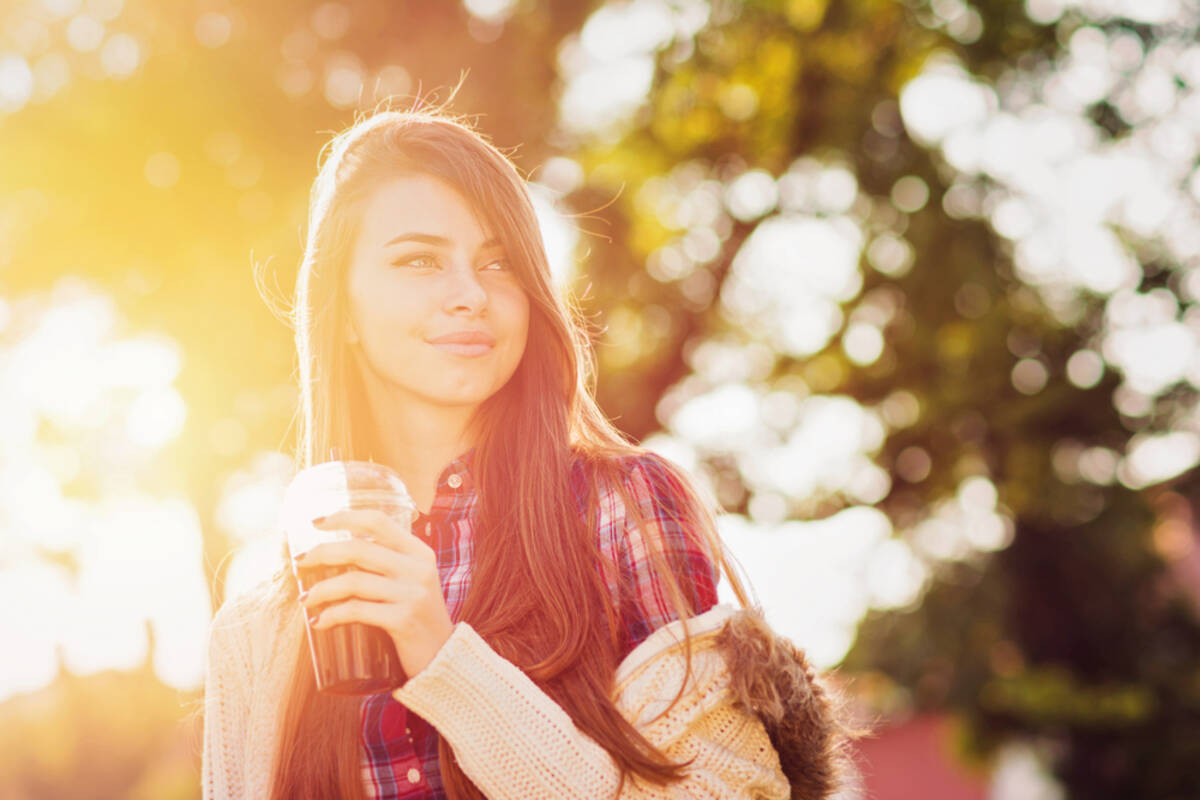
{"x": 516, "y": 743}
{"x": 226, "y": 707}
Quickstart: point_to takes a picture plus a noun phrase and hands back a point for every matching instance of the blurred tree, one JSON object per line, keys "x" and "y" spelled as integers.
{"x": 1078, "y": 633}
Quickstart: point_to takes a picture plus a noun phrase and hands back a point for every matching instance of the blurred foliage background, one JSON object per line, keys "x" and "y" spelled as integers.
{"x": 910, "y": 285}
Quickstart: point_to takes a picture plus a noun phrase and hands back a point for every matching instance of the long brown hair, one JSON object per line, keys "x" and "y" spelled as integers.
{"x": 533, "y": 551}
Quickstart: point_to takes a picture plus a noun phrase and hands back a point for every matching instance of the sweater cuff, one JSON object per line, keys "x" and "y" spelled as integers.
{"x": 466, "y": 672}
{"x": 462, "y": 642}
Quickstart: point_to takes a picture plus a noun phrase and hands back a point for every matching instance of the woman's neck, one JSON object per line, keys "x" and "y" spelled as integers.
{"x": 418, "y": 444}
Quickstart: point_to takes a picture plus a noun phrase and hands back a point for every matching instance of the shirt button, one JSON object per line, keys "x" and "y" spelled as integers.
{"x": 454, "y": 480}
{"x": 414, "y": 775}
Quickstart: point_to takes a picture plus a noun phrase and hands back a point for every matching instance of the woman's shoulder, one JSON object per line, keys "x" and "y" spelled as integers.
{"x": 643, "y": 474}
{"x": 629, "y": 490}
{"x": 242, "y": 606}
{"x": 252, "y": 615}
{"x": 626, "y": 460}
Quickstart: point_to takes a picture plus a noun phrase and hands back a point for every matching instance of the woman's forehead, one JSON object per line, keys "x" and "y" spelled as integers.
{"x": 420, "y": 204}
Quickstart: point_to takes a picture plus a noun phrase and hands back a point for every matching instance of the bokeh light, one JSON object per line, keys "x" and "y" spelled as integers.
{"x": 137, "y": 557}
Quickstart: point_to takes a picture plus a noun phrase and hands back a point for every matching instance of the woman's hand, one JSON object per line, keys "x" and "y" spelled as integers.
{"x": 392, "y": 583}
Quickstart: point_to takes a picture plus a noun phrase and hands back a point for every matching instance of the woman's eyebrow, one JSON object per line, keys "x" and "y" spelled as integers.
{"x": 438, "y": 241}
{"x": 424, "y": 238}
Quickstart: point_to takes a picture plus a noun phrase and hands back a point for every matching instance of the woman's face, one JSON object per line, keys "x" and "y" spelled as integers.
{"x": 435, "y": 306}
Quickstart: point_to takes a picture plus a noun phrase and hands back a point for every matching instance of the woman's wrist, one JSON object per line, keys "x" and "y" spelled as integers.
{"x": 416, "y": 654}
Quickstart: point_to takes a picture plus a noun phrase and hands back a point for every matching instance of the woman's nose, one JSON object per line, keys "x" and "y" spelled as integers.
{"x": 466, "y": 292}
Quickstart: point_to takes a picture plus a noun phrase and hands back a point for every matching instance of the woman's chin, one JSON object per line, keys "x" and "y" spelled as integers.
{"x": 457, "y": 396}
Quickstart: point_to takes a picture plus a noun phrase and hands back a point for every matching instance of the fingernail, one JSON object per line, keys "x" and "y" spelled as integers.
{"x": 318, "y": 520}
{"x": 299, "y": 556}
{"x": 312, "y": 620}
{"x": 303, "y": 596}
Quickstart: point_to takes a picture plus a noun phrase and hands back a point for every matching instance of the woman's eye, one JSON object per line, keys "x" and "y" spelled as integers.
{"x": 499, "y": 264}
{"x": 416, "y": 261}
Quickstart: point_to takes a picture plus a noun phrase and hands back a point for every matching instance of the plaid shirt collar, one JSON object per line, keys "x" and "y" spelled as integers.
{"x": 454, "y": 495}
{"x": 455, "y": 479}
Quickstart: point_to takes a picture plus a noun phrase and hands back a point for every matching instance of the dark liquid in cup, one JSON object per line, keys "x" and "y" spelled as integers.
{"x": 350, "y": 659}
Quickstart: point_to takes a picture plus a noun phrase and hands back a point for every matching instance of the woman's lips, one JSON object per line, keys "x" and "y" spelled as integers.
{"x": 465, "y": 343}
{"x": 457, "y": 348}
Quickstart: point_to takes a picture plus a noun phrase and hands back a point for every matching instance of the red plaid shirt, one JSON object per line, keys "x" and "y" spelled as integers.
{"x": 400, "y": 758}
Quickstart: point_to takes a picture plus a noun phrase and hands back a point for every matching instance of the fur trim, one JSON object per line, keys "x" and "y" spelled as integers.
{"x": 773, "y": 678}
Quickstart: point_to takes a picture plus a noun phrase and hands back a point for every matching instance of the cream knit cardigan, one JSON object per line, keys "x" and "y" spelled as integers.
{"x": 509, "y": 737}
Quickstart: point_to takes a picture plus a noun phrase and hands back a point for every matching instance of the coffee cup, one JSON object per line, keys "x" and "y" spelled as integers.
{"x": 352, "y": 658}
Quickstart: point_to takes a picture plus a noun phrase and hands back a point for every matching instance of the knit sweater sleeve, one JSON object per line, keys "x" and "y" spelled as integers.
{"x": 516, "y": 743}
{"x": 226, "y": 707}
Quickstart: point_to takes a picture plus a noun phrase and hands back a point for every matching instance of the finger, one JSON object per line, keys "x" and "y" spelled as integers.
{"x": 353, "y": 584}
{"x": 371, "y": 522}
{"x": 384, "y": 615}
{"x": 360, "y": 553}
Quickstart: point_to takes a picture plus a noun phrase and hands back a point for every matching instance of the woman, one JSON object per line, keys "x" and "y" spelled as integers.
{"x": 557, "y": 591}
